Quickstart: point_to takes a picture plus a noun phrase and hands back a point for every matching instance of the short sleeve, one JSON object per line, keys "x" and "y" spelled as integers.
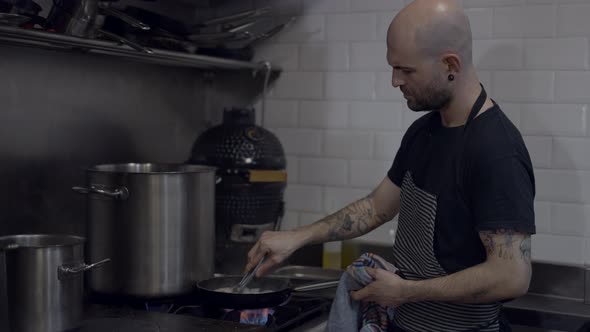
{"x": 400, "y": 162}
{"x": 397, "y": 170}
{"x": 501, "y": 195}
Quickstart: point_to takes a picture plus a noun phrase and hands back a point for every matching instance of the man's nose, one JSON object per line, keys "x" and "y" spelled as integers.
{"x": 396, "y": 81}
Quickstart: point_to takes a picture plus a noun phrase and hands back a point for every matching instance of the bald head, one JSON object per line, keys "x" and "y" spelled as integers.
{"x": 432, "y": 28}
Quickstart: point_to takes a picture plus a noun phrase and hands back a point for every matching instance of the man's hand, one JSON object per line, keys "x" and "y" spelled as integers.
{"x": 278, "y": 246}
{"x": 387, "y": 289}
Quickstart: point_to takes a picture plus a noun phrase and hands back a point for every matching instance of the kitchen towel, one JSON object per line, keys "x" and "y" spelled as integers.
{"x": 347, "y": 315}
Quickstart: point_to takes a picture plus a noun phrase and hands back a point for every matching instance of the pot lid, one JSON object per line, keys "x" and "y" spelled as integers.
{"x": 150, "y": 168}
{"x": 39, "y": 241}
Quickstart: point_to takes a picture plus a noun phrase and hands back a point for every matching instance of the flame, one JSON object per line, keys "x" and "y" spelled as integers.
{"x": 255, "y": 317}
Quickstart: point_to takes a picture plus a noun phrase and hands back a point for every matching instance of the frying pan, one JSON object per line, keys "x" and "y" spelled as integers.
{"x": 272, "y": 292}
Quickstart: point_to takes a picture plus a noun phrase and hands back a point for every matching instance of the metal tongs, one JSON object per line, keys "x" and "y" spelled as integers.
{"x": 239, "y": 288}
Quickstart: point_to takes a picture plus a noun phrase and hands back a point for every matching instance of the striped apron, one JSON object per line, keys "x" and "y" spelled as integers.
{"x": 414, "y": 256}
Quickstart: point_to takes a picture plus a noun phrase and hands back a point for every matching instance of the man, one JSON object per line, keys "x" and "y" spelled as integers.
{"x": 462, "y": 183}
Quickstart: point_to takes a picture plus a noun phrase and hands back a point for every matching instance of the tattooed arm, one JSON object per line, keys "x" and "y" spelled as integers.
{"x": 354, "y": 220}
{"x": 504, "y": 275}
{"x": 357, "y": 218}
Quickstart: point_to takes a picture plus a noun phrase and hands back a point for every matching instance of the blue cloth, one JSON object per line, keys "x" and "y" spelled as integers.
{"x": 347, "y": 315}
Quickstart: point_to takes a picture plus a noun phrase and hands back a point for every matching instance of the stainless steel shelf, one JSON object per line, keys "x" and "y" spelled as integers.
{"x": 35, "y": 38}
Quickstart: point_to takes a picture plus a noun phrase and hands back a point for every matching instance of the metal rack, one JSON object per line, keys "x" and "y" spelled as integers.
{"x": 35, "y": 38}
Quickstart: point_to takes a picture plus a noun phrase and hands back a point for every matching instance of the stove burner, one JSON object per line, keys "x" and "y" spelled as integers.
{"x": 255, "y": 317}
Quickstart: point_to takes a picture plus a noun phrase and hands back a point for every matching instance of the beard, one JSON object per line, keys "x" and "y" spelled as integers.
{"x": 434, "y": 96}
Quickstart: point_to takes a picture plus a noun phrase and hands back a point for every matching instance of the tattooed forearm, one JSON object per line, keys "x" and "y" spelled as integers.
{"x": 498, "y": 243}
{"x": 525, "y": 248}
{"x": 356, "y": 219}
{"x": 488, "y": 242}
{"x": 506, "y": 244}
{"x": 362, "y": 226}
{"x": 347, "y": 223}
{"x": 478, "y": 295}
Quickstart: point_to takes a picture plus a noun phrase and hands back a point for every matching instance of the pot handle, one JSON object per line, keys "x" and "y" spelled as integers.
{"x": 67, "y": 271}
{"x": 119, "y": 193}
{"x": 317, "y": 286}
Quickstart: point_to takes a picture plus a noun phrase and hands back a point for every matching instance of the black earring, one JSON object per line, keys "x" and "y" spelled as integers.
{"x": 451, "y": 77}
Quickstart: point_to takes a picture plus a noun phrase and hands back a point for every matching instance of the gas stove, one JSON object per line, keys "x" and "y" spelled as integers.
{"x": 188, "y": 314}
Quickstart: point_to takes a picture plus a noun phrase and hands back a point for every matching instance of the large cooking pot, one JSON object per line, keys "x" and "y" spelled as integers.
{"x": 156, "y": 223}
{"x": 41, "y": 286}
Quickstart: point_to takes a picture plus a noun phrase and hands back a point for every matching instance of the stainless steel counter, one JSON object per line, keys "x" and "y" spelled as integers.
{"x": 532, "y": 312}
{"x": 555, "y": 309}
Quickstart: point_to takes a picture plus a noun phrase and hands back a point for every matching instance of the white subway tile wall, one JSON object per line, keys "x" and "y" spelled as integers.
{"x": 290, "y": 221}
{"x": 498, "y": 53}
{"x": 370, "y": 173}
{"x": 337, "y": 197}
{"x": 540, "y": 150}
{"x": 281, "y": 113}
{"x": 349, "y": 27}
{"x": 376, "y": 115}
{"x": 348, "y": 144}
{"x": 561, "y": 53}
{"x": 285, "y": 54}
{"x": 324, "y": 56}
{"x": 341, "y": 121}
{"x": 527, "y": 21}
{"x": 543, "y": 217}
{"x": 306, "y": 218}
{"x": 368, "y": 56}
{"x": 292, "y": 170}
{"x": 350, "y": 85}
{"x": 323, "y": 171}
{"x": 482, "y": 22}
{"x": 323, "y": 114}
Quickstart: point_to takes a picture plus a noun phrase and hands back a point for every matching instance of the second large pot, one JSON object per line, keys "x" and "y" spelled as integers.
{"x": 156, "y": 222}
{"x": 41, "y": 285}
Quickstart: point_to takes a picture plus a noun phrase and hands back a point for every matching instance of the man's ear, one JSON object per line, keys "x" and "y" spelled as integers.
{"x": 452, "y": 63}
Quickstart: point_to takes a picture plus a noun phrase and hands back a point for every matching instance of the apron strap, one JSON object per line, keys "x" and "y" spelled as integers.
{"x": 481, "y": 100}
{"x": 458, "y": 151}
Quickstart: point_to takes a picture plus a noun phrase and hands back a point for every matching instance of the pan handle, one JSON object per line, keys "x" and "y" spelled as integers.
{"x": 317, "y": 286}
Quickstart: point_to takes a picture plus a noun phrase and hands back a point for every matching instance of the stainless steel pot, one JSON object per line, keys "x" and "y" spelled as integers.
{"x": 41, "y": 282}
{"x": 156, "y": 223}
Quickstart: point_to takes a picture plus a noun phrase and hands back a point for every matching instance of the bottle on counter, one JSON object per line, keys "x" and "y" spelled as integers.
{"x": 332, "y": 255}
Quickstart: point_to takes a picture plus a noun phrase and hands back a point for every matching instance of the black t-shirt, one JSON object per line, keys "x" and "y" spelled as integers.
{"x": 489, "y": 185}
